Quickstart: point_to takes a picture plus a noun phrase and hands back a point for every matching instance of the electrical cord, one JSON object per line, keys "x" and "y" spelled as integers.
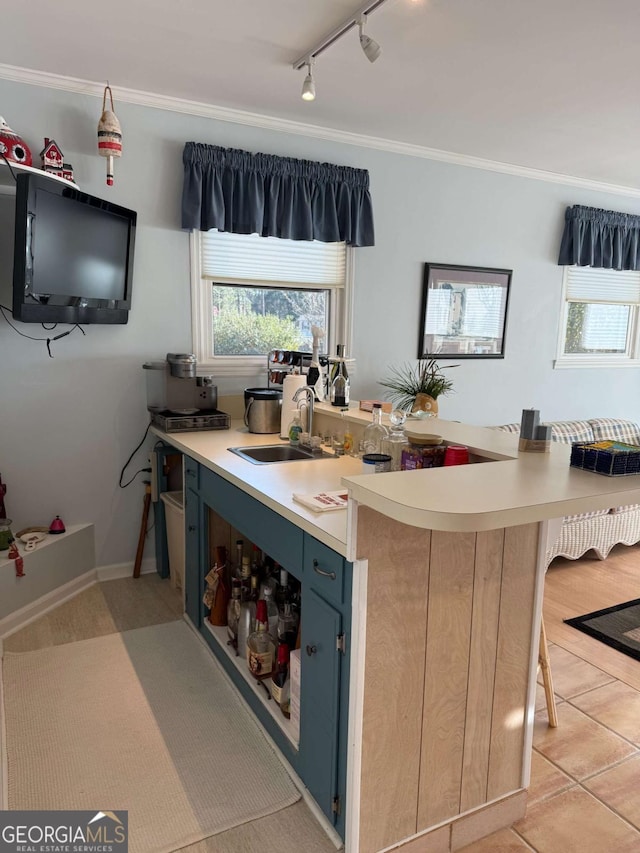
{"x": 13, "y": 174}
{"x": 48, "y": 341}
{"x": 126, "y": 464}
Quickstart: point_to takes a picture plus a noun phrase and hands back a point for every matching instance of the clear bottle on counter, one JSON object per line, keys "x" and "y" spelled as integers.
{"x": 396, "y": 441}
{"x": 340, "y": 384}
{"x": 375, "y": 432}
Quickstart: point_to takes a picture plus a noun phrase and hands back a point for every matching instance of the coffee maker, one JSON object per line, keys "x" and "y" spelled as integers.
{"x": 178, "y": 399}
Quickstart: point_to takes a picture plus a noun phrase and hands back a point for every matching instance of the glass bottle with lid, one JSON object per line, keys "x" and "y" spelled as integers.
{"x": 375, "y": 432}
{"x": 340, "y": 382}
{"x": 396, "y": 441}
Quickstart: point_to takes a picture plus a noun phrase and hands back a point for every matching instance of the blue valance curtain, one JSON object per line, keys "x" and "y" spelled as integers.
{"x": 245, "y": 193}
{"x": 600, "y": 238}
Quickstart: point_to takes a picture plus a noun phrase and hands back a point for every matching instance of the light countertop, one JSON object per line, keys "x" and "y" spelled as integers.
{"x": 507, "y": 488}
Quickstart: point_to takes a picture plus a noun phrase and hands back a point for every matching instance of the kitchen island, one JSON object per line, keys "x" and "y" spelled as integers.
{"x": 442, "y": 576}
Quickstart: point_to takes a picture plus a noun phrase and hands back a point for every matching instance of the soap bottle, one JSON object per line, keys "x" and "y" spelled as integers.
{"x": 295, "y": 428}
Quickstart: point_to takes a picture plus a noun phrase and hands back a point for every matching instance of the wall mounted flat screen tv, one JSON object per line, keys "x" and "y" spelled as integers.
{"x": 73, "y": 255}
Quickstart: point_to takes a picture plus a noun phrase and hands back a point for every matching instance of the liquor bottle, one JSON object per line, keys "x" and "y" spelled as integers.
{"x": 233, "y": 613}
{"x": 272, "y": 611}
{"x": 314, "y": 375}
{"x": 280, "y": 677}
{"x": 246, "y": 623}
{"x": 245, "y": 576}
{"x": 237, "y": 569}
{"x": 260, "y": 645}
{"x": 397, "y": 441}
{"x": 340, "y": 383}
{"x": 256, "y": 561}
{"x": 288, "y": 625}
{"x": 375, "y": 432}
{"x": 254, "y": 595}
{"x": 269, "y": 576}
{"x": 282, "y": 591}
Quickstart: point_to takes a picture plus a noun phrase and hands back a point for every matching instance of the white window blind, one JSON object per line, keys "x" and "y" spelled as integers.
{"x": 251, "y": 258}
{"x": 585, "y": 284}
{"x": 606, "y": 328}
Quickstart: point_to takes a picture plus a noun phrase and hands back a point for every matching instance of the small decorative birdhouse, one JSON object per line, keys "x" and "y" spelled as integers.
{"x": 12, "y": 146}
{"x": 109, "y": 135}
{"x": 53, "y": 160}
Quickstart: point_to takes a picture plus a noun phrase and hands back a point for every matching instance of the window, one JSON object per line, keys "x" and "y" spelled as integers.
{"x": 599, "y": 326}
{"x": 252, "y": 294}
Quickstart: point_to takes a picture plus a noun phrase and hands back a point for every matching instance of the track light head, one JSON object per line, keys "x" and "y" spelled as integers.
{"x": 309, "y": 87}
{"x": 370, "y": 47}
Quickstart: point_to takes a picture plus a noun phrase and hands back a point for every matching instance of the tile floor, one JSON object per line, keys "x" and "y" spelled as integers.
{"x": 585, "y": 777}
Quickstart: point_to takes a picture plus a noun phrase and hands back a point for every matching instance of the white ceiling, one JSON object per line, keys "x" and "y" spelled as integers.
{"x": 549, "y": 85}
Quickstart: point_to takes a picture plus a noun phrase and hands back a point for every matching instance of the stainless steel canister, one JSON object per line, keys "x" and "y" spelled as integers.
{"x": 262, "y": 409}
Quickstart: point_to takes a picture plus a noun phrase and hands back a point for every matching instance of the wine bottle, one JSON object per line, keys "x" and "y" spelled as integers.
{"x": 281, "y": 674}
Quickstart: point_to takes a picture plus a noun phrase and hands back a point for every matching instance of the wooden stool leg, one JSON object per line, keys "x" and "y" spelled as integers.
{"x": 545, "y": 666}
{"x": 143, "y": 529}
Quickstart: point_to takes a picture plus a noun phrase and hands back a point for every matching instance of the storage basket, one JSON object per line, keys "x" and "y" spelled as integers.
{"x": 613, "y": 458}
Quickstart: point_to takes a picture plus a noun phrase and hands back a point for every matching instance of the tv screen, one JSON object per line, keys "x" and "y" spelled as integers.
{"x": 73, "y": 255}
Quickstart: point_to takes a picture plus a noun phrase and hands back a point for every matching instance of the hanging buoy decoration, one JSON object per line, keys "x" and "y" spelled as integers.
{"x": 109, "y": 135}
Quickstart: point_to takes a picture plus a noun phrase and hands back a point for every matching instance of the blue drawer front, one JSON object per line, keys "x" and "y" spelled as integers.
{"x": 278, "y": 537}
{"x": 324, "y": 570}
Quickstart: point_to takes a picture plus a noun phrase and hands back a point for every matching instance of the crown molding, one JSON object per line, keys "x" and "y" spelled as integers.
{"x": 234, "y": 116}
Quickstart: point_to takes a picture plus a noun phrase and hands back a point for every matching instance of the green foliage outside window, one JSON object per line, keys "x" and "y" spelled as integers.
{"x": 575, "y": 324}
{"x": 253, "y": 321}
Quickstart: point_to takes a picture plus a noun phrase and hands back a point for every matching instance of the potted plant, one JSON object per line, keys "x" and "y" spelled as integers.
{"x": 417, "y": 387}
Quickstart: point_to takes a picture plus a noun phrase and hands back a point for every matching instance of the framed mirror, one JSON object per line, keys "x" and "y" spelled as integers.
{"x": 464, "y": 311}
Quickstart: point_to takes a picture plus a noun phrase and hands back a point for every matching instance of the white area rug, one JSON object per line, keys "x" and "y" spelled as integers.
{"x": 143, "y": 721}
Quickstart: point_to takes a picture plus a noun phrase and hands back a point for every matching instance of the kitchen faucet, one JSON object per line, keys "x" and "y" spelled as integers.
{"x": 308, "y": 391}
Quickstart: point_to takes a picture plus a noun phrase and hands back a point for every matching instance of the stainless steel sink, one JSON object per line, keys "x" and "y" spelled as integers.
{"x": 269, "y": 453}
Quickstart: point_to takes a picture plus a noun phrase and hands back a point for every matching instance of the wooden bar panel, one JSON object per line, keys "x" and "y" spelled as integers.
{"x": 397, "y": 589}
{"x": 482, "y": 661}
{"x": 447, "y": 667}
{"x": 513, "y": 659}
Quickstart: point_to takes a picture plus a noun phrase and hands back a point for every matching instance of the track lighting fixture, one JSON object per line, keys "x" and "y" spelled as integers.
{"x": 370, "y": 47}
{"x": 309, "y": 87}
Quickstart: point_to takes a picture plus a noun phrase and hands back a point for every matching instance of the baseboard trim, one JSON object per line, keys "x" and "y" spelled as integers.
{"x": 30, "y": 612}
{"x": 124, "y": 570}
{"x": 23, "y": 617}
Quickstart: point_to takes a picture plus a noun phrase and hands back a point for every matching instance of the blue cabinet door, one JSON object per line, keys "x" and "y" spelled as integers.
{"x": 320, "y": 699}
